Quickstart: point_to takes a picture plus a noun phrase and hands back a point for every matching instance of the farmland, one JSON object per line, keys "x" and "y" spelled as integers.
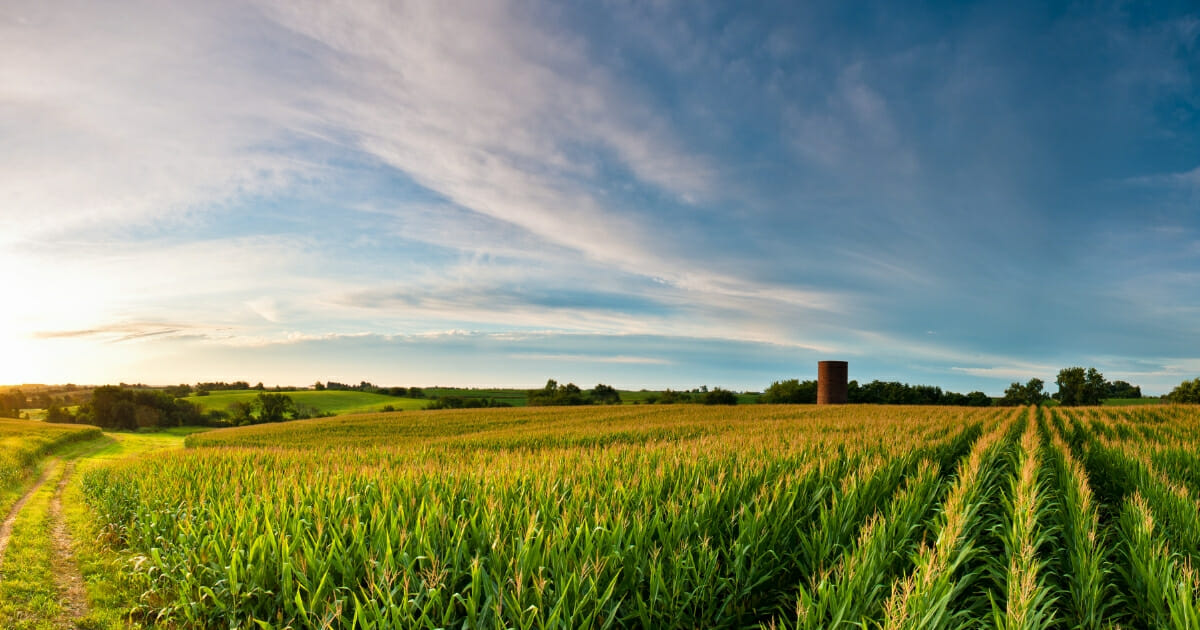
{"x": 681, "y": 516}
{"x": 328, "y": 401}
{"x": 23, "y": 443}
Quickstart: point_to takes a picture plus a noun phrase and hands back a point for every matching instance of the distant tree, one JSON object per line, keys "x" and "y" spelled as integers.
{"x": 978, "y": 399}
{"x": 1028, "y": 394}
{"x": 605, "y": 395}
{"x": 57, "y": 414}
{"x": 555, "y": 394}
{"x": 1077, "y": 386}
{"x": 319, "y": 386}
{"x": 1187, "y": 392}
{"x": 240, "y": 412}
{"x": 671, "y": 397}
{"x": 260, "y": 387}
{"x": 718, "y": 396}
{"x": 1121, "y": 389}
{"x": 274, "y": 407}
{"x": 183, "y": 390}
{"x": 302, "y": 411}
{"x": 791, "y": 391}
{"x": 11, "y": 403}
{"x": 416, "y": 392}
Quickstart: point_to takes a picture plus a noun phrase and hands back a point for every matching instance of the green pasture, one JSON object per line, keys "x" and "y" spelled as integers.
{"x": 336, "y": 402}
{"x": 1130, "y": 402}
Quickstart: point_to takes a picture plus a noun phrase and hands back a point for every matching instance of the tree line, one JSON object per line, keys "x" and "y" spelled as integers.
{"x": 795, "y": 391}
{"x": 365, "y": 386}
{"x": 1076, "y": 386}
{"x": 122, "y": 408}
{"x": 554, "y": 394}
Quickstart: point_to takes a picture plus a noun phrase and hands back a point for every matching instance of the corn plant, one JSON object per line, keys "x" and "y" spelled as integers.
{"x": 666, "y": 517}
{"x": 1086, "y": 569}
{"x": 852, "y": 592}
{"x": 1164, "y": 593}
{"x": 924, "y": 598}
{"x": 1028, "y": 599}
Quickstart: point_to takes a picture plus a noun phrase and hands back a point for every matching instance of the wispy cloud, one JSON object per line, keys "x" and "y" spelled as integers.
{"x": 584, "y": 358}
{"x": 296, "y": 176}
{"x": 118, "y": 333}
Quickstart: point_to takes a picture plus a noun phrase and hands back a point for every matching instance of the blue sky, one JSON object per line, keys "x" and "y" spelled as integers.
{"x": 643, "y": 194}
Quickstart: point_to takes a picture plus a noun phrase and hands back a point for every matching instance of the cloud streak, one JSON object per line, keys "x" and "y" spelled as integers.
{"x": 310, "y": 175}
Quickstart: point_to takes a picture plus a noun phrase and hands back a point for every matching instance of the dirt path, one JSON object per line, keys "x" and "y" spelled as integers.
{"x": 9, "y": 521}
{"x": 73, "y": 595}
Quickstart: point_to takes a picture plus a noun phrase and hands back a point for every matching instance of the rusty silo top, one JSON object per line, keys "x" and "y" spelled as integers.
{"x": 831, "y": 382}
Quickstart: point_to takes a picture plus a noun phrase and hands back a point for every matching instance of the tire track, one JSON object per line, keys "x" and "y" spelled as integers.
{"x": 6, "y": 528}
{"x": 73, "y": 596}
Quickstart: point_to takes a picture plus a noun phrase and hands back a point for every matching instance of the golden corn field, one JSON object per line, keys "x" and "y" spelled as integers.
{"x": 671, "y": 517}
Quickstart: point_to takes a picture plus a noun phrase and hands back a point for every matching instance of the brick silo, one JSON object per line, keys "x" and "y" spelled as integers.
{"x": 831, "y": 382}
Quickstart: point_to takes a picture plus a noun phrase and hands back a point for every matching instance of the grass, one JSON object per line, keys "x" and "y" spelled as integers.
{"x": 335, "y": 402}
{"x": 23, "y": 443}
{"x": 1131, "y": 402}
{"x": 341, "y": 402}
{"x": 28, "y": 600}
{"x": 32, "y": 568}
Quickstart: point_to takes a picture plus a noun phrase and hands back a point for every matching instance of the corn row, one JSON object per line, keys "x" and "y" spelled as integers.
{"x": 852, "y": 592}
{"x": 1086, "y": 567}
{"x": 1163, "y": 590}
{"x": 1027, "y": 598}
{"x": 923, "y": 598}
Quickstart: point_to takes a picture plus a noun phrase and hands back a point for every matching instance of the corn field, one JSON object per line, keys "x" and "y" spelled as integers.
{"x": 671, "y": 517}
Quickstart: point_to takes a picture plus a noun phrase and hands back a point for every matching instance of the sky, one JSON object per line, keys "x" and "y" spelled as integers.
{"x": 644, "y": 194}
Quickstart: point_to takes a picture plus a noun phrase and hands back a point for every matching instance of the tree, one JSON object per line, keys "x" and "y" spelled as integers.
{"x": 978, "y": 399}
{"x": 240, "y": 412}
{"x": 180, "y": 391}
{"x": 319, "y": 386}
{"x": 718, "y": 396}
{"x": 12, "y": 403}
{"x": 274, "y": 407}
{"x": 1186, "y": 392}
{"x": 1121, "y": 389}
{"x": 605, "y": 395}
{"x": 1028, "y": 394}
{"x": 670, "y": 397}
{"x": 555, "y": 394}
{"x": 57, "y": 414}
{"x": 1077, "y": 386}
{"x": 791, "y": 391}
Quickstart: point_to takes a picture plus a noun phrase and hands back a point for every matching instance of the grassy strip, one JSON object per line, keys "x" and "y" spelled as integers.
{"x": 328, "y": 401}
{"x": 28, "y": 595}
{"x": 23, "y": 444}
{"x": 112, "y": 588}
